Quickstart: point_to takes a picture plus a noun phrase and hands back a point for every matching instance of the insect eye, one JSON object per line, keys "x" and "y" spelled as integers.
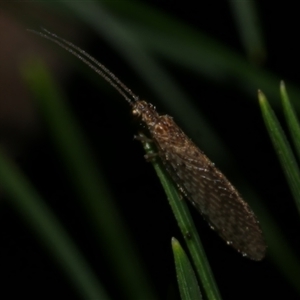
{"x": 136, "y": 112}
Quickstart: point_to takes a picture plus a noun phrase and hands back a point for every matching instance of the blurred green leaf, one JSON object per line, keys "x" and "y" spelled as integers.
{"x": 247, "y": 21}
{"x": 90, "y": 184}
{"x": 38, "y": 215}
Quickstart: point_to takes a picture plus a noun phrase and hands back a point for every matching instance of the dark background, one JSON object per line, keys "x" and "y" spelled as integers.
{"x": 109, "y": 127}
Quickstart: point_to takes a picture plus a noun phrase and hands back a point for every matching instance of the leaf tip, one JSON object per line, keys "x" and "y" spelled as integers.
{"x": 261, "y": 96}
{"x": 282, "y": 89}
{"x": 174, "y": 242}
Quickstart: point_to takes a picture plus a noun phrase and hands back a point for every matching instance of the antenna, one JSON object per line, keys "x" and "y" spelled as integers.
{"x": 89, "y": 60}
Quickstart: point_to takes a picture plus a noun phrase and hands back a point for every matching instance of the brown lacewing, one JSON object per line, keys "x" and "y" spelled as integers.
{"x": 195, "y": 175}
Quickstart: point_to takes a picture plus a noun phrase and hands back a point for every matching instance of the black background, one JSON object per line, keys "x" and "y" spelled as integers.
{"x": 109, "y": 128}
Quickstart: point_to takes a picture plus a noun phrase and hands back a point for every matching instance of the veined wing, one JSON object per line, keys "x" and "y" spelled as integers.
{"x": 211, "y": 193}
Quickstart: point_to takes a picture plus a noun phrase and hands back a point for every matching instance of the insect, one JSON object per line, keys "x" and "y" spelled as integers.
{"x": 196, "y": 176}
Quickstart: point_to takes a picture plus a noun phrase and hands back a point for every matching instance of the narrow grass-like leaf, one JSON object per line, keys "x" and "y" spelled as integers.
{"x": 190, "y": 48}
{"x": 91, "y": 186}
{"x": 187, "y": 281}
{"x": 247, "y": 21}
{"x": 282, "y": 148}
{"x": 291, "y": 118}
{"x": 33, "y": 209}
{"x": 187, "y": 228}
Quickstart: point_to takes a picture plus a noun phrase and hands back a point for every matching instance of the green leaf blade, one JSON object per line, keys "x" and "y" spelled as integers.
{"x": 291, "y": 118}
{"x": 282, "y": 148}
{"x": 187, "y": 282}
{"x": 187, "y": 227}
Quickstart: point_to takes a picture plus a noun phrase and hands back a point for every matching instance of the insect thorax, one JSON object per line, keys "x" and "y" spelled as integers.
{"x": 146, "y": 112}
